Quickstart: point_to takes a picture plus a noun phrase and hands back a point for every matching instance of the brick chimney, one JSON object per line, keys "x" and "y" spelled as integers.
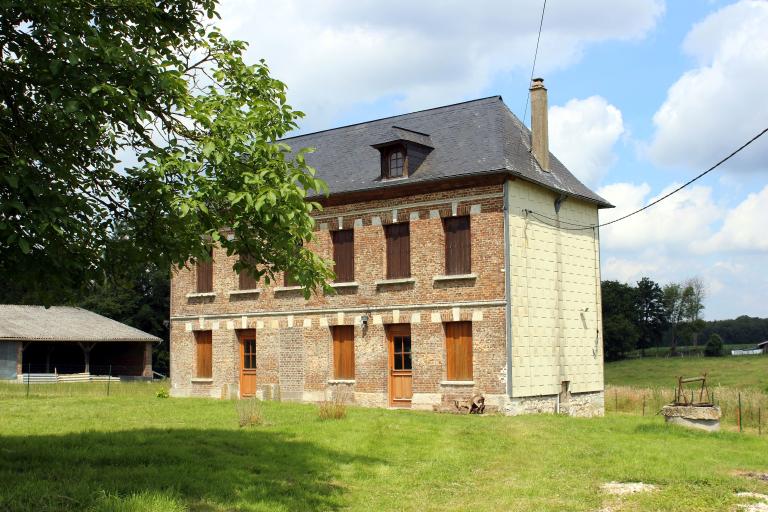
{"x": 539, "y": 129}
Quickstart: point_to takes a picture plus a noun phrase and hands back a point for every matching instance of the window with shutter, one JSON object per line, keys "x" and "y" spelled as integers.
{"x": 398, "y": 250}
{"x": 458, "y": 350}
{"x": 458, "y": 242}
{"x": 344, "y": 255}
{"x": 205, "y": 275}
{"x": 343, "y": 352}
{"x": 204, "y": 359}
{"x": 247, "y": 281}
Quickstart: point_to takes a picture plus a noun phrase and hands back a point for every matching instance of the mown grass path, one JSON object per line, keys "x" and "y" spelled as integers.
{"x": 146, "y": 453}
{"x": 729, "y": 371}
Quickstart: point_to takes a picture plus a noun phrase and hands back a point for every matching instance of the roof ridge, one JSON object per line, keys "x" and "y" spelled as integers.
{"x": 423, "y": 111}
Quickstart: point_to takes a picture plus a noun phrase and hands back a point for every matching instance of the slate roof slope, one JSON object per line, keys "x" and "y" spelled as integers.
{"x": 471, "y": 138}
{"x": 62, "y": 323}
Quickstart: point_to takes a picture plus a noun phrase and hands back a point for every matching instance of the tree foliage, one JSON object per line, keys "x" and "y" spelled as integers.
{"x": 84, "y": 84}
{"x": 620, "y": 332}
{"x": 651, "y": 315}
{"x": 714, "y": 346}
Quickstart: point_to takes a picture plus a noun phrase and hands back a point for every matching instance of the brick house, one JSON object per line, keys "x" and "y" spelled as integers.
{"x": 460, "y": 271}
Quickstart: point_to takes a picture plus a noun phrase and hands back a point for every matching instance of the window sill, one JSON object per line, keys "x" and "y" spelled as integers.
{"x": 457, "y": 383}
{"x": 348, "y": 284}
{"x": 455, "y": 277}
{"x": 400, "y": 280}
{"x": 196, "y": 295}
{"x": 252, "y": 291}
{"x": 202, "y": 380}
{"x": 341, "y": 381}
{"x": 279, "y": 289}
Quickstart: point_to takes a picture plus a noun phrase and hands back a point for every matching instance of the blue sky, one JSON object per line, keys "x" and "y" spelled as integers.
{"x": 643, "y": 95}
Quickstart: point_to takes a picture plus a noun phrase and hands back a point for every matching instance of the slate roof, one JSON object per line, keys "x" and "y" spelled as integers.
{"x": 62, "y": 323}
{"x": 471, "y": 138}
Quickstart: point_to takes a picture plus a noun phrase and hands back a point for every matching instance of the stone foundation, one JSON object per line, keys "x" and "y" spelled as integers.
{"x": 585, "y": 405}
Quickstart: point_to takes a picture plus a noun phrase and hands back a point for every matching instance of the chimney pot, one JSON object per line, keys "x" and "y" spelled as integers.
{"x": 539, "y": 124}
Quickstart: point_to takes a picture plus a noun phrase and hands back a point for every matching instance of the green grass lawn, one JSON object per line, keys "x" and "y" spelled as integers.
{"x": 729, "y": 371}
{"x": 139, "y": 452}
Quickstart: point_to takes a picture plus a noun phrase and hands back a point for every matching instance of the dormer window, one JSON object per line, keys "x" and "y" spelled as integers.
{"x": 395, "y": 165}
{"x": 402, "y": 151}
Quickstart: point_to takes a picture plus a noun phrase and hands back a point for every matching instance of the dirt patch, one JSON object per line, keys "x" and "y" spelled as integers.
{"x": 760, "y": 506}
{"x": 753, "y": 475}
{"x": 625, "y": 488}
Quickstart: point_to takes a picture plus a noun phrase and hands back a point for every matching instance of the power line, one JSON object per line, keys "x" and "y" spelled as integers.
{"x": 678, "y": 189}
{"x": 535, "y": 56}
{"x": 681, "y": 187}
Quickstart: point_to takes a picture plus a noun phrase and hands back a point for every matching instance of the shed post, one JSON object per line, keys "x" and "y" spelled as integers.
{"x": 147, "y": 373}
{"x": 87, "y": 355}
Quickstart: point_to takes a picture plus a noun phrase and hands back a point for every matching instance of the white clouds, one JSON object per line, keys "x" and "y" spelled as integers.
{"x": 744, "y": 227}
{"x": 336, "y": 54}
{"x": 582, "y": 135}
{"x": 720, "y": 104}
{"x": 676, "y": 222}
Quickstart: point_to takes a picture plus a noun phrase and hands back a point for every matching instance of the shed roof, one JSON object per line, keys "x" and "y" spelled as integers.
{"x": 63, "y": 323}
{"x": 471, "y": 138}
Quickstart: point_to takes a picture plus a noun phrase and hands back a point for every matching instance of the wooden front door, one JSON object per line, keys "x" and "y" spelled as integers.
{"x": 247, "y": 363}
{"x": 400, "y": 366}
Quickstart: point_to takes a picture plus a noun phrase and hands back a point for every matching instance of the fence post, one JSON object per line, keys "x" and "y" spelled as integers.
{"x": 109, "y": 378}
{"x": 643, "y": 404}
{"x": 29, "y": 375}
{"x": 616, "y": 399}
{"x": 740, "y": 429}
{"x": 759, "y": 422}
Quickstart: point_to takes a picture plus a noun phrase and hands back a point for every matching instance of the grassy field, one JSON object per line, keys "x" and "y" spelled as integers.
{"x": 739, "y": 372}
{"x": 132, "y": 451}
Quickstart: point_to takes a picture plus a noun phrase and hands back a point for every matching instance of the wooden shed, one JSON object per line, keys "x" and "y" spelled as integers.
{"x": 65, "y": 340}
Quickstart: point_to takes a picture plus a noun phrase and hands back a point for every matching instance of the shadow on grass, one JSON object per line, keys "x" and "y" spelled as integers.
{"x": 203, "y": 469}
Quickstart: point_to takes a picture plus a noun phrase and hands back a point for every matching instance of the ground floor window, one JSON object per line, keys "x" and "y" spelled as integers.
{"x": 343, "y": 352}
{"x": 204, "y": 354}
{"x": 458, "y": 350}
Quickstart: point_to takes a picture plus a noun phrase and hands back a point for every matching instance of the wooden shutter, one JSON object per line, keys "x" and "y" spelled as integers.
{"x": 204, "y": 355}
{"x": 458, "y": 350}
{"x": 344, "y": 255}
{"x": 343, "y": 352}
{"x": 458, "y": 245}
{"x": 205, "y": 275}
{"x": 247, "y": 281}
{"x": 398, "y": 250}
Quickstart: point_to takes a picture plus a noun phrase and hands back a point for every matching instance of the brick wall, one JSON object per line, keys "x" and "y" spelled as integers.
{"x": 294, "y": 343}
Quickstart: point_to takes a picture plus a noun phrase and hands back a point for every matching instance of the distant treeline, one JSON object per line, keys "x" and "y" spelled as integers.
{"x": 648, "y": 316}
{"x": 744, "y": 329}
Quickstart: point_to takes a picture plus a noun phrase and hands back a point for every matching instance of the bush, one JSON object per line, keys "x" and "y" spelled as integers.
{"x": 249, "y": 412}
{"x": 162, "y": 393}
{"x": 336, "y": 408}
{"x": 714, "y": 346}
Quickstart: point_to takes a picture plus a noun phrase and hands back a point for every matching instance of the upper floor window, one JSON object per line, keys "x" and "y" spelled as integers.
{"x": 394, "y": 163}
{"x": 398, "y": 250}
{"x": 246, "y": 280}
{"x": 344, "y": 255}
{"x": 205, "y": 274}
{"x": 458, "y": 247}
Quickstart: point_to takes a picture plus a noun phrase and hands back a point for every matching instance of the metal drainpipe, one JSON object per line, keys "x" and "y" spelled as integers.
{"x": 508, "y": 288}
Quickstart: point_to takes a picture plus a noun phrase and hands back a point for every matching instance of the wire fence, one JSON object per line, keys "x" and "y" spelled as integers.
{"x": 742, "y": 410}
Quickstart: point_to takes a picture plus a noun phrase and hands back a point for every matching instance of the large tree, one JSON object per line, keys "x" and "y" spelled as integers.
{"x": 651, "y": 314}
{"x": 620, "y": 333}
{"x": 84, "y": 84}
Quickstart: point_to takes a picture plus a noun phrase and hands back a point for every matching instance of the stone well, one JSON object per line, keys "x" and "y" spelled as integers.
{"x": 693, "y": 416}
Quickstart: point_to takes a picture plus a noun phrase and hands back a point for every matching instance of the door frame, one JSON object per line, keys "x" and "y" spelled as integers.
{"x": 242, "y": 336}
{"x": 393, "y": 330}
